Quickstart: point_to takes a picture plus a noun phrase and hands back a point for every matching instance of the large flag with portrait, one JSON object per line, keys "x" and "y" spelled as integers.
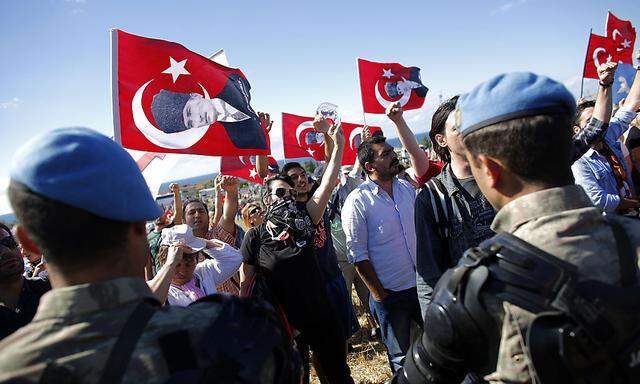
{"x": 167, "y": 99}
{"x": 384, "y": 83}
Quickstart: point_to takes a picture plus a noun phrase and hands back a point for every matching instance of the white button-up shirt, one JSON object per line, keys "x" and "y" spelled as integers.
{"x": 382, "y": 230}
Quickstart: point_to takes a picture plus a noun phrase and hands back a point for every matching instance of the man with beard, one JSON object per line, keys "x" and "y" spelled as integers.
{"x": 19, "y": 296}
{"x": 378, "y": 220}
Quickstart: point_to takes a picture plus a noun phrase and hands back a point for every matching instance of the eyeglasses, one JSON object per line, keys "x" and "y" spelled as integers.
{"x": 296, "y": 176}
{"x": 9, "y": 242}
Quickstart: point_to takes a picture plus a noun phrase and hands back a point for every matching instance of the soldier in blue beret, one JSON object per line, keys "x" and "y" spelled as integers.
{"x": 517, "y": 133}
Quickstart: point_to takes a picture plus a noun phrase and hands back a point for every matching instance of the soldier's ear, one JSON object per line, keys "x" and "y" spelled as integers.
{"x": 492, "y": 169}
{"x": 25, "y": 240}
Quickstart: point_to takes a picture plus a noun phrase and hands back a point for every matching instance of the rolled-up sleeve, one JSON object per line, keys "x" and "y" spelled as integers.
{"x": 354, "y": 225}
{"x": 620, "y": 123}
{"x": 585, "y": 177}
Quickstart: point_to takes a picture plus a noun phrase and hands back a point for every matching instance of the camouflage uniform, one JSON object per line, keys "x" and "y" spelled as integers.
{"x": 562, "y": 222}
{"x": 77, "y": 327}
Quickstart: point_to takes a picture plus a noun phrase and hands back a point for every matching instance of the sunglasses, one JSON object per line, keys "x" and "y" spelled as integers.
{"x": 255, "y": 210}
{"x": 9, "y": 242}
{"x": 282, "y": 192}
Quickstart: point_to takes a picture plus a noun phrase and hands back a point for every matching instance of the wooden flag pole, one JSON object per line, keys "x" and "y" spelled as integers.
{"x": 584, "y": 66}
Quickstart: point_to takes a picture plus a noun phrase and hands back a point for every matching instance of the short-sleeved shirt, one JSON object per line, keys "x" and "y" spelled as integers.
{"x": 12, "y": 319}
{"x": 325, "y": 253}
{"x": 291, "y": 273}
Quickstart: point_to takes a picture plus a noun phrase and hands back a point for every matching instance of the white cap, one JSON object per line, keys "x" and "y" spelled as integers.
{"x": 184, "y": 235}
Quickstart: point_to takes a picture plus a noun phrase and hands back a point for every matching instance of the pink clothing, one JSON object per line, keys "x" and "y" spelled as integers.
{"x": 191, "y": 289}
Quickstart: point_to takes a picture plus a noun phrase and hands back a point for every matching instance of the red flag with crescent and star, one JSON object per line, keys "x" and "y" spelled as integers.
{"x": 167, "y": 99}
{"x": 243, "y": 167}
{"x": 384, "y": 83}
{"x": 600, "y": 50}
{"x": 623, "y": 35}
{"x": 301, "y": 140}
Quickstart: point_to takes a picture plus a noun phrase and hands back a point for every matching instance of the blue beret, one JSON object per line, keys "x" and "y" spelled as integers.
{"x": 511, "y": 96}
{"x": 86, "y": 170}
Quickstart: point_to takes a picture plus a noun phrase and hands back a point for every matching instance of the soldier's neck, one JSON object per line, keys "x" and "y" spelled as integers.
{"x": 91, "y": 274}
{"x": 10, "y": 289}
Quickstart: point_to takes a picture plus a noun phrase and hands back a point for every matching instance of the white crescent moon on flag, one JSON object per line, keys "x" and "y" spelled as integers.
{"x": 595, "y": 55}
{"x": 385, "y": 103}
{"x": 353, "y": 135}
{"x": 178, "y": 140}
{"x": 614, "y": 33}
{"x": 301, "y": 128}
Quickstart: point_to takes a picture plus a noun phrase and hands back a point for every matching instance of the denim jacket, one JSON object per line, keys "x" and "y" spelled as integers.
{"x": 592, "y": 171}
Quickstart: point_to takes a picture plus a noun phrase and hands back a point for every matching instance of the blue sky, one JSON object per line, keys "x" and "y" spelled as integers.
{"x": 55, "y": 64}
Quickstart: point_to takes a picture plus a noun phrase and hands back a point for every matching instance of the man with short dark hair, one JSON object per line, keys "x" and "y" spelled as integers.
{"x": 516, "y": 129}
{"x": 378, "y": 221}
{"x": 19, "y": 296}
{"x": 81, "y": 200}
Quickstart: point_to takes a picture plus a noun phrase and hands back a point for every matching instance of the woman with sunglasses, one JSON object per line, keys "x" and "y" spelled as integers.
{"x": 280, "y": 260}
{"x": 252, "y": 215}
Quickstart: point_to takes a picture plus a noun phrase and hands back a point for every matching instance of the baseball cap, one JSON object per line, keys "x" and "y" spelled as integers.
{"x": 511, "y": 96}
{"x": 182, "y": 234}
{"x": 86, "y": 170}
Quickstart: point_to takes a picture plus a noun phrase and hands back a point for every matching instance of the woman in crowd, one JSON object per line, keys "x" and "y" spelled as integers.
{"x": 182, "y": 279}
{"x": 252, "y": 215}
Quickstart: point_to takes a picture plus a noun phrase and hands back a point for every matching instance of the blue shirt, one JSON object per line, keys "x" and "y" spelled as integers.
{"x": 382, "y": 230}
{"x": 594, "y": 174}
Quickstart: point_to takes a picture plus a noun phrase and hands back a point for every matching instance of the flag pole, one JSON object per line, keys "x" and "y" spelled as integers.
{"x": 364, "y": 117}
{"x": 584, "y": 66}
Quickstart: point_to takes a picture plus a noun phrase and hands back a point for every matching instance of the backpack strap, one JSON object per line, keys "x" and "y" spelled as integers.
{"x": 120, "y": 355}
{"x": 626, "y": 254}
{"x": 440, "y": 215}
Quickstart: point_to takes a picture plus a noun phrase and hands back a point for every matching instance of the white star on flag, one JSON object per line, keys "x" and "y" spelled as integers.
{"x": 387, "y": 73}
{"x": 626, "y": 43}
{"x": 310, "y": 151}
{"x": 176, "y": 68}
{"x": 253, "y": 173}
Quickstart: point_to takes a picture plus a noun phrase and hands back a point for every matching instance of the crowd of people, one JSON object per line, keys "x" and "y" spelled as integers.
{"x": 530, "y": 208}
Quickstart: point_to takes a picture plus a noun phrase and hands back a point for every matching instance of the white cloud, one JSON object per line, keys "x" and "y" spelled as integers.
{"x": 10, "y": 104}
{"x": 507, "y": 7}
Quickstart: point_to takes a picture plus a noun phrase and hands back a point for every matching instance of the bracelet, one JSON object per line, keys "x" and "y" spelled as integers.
{"x": 606, "y": 85}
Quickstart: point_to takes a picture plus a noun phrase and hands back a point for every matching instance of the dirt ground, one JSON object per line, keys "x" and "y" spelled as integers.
{"x": 367, "y": 359}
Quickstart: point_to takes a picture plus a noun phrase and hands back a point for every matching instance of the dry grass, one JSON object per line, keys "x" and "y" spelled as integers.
{"x": 368, "y": 359}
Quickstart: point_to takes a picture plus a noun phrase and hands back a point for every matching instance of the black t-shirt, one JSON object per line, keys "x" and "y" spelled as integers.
{"x": 325, "y": 252}
{"x": 12, "y": 319}
{"x": 292, "y": 275}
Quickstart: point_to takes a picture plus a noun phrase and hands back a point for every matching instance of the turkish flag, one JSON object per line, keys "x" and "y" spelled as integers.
{"x": 624, "y": 36}
{"x": 353, "y": 138}
{"x": 168, "y": 99}
{"x": 301, "y": 140}
{"x": 600, "y": 50}
{"x": 146, "y": 159}
{"x": 384, "y": 83}
{"x": 243, "y": 167}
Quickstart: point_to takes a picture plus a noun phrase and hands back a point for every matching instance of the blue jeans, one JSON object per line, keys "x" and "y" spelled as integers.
{"x": 394, "y": 315}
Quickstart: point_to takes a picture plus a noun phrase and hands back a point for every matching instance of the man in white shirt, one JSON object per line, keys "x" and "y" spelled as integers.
{"x": 378, "y": 221}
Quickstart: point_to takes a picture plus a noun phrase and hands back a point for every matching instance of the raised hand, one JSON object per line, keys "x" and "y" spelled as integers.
{"x": 607, "y": 72}
{"x": 229, "y": 183}
{"x": 173, "y": 187}
{"x": 265, "y": 121}
{"x": 336, "y": 134}
{"x": 320, "y": 124}
{"x": 394, "y": 112}
{"x": 366, "y": 133}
